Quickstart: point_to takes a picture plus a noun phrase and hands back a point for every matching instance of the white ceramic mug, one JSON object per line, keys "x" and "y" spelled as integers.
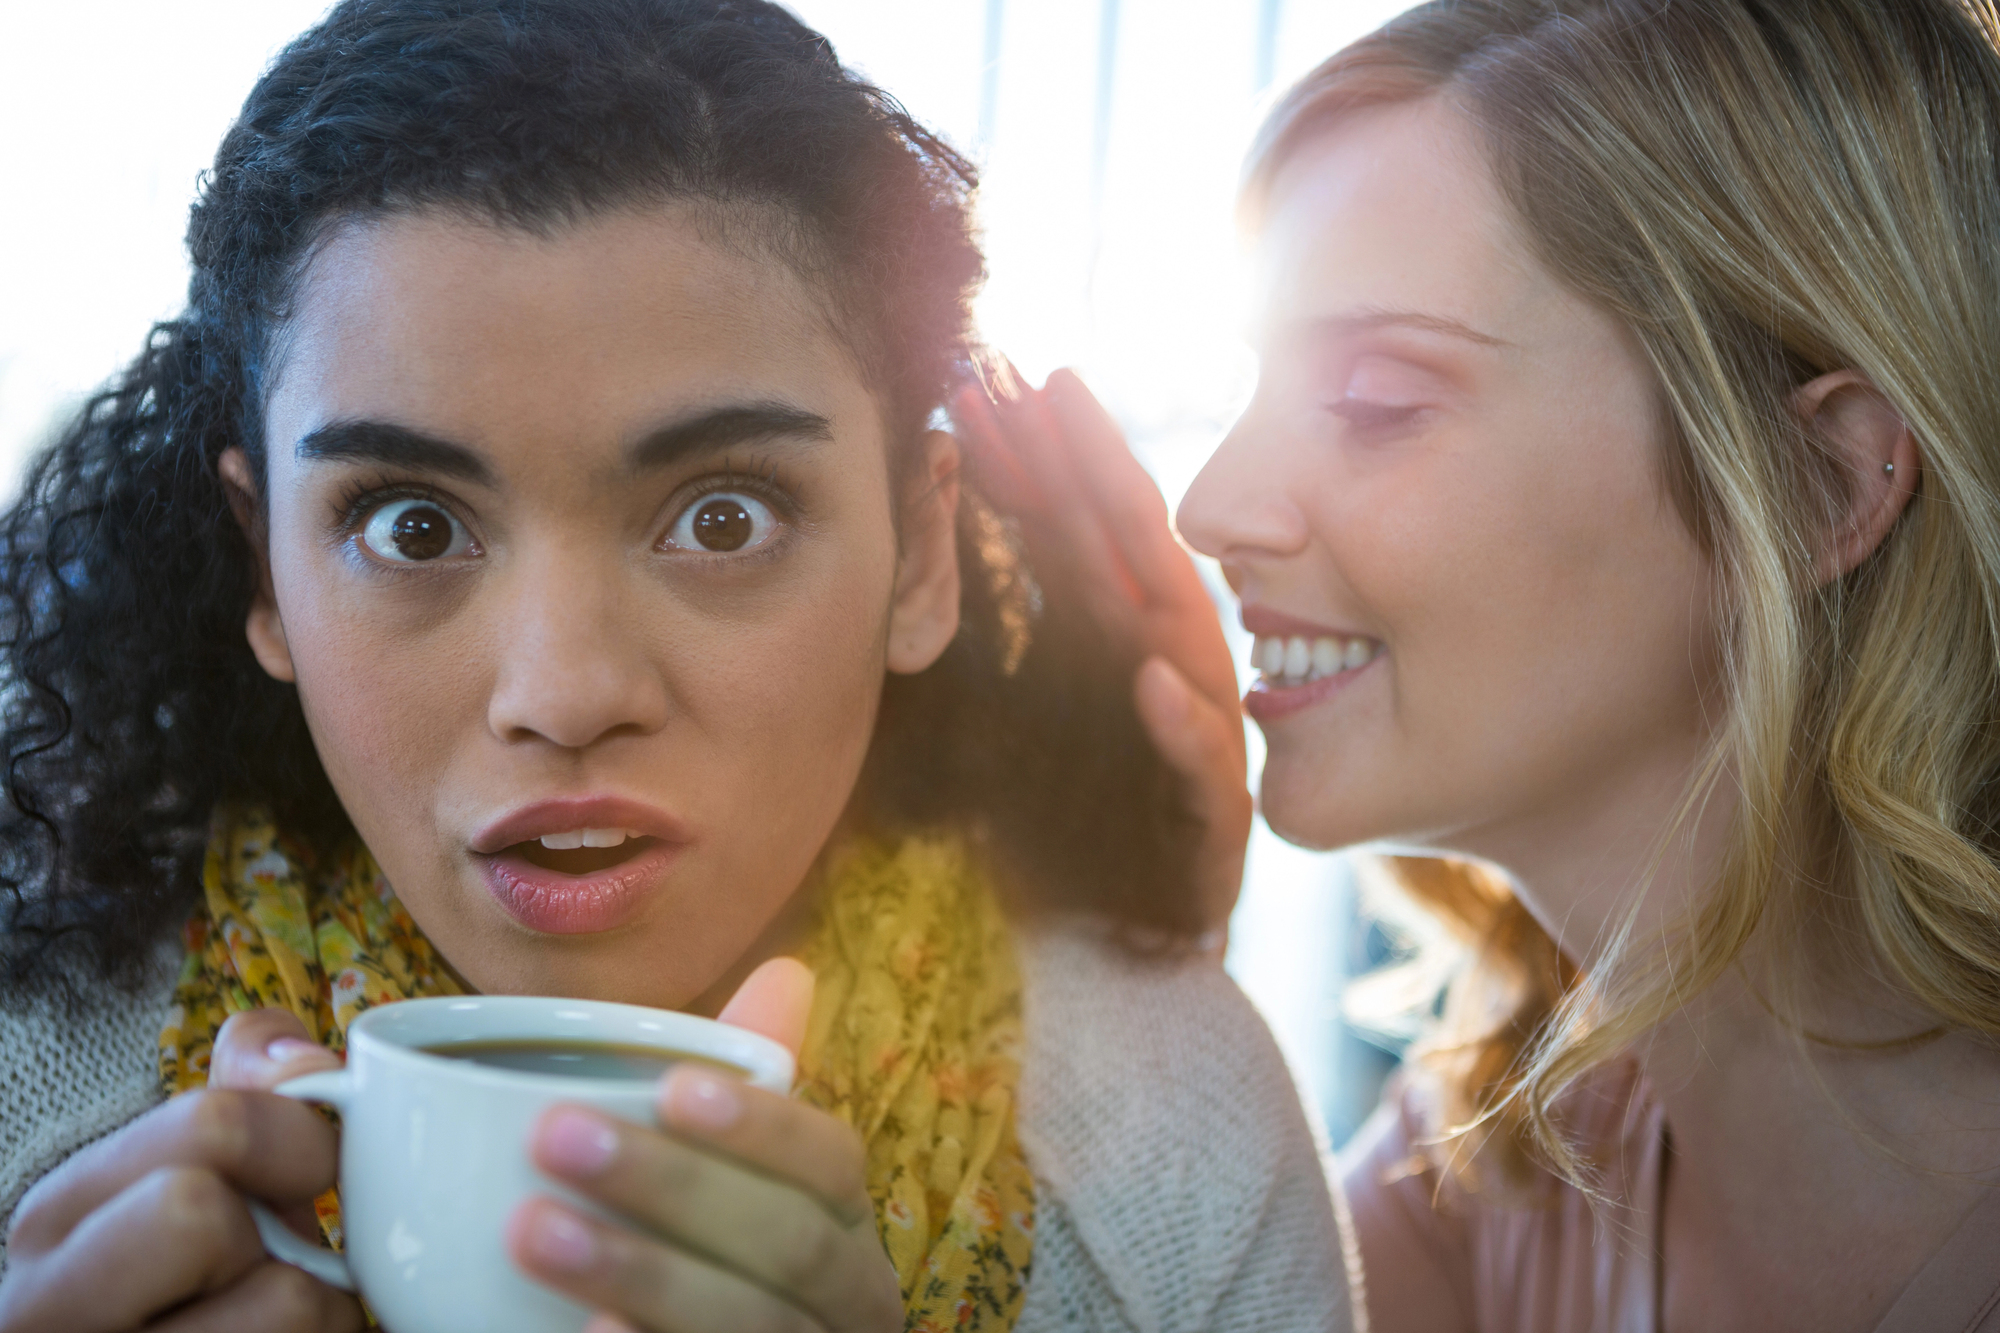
{"x": 434, "y": 1150}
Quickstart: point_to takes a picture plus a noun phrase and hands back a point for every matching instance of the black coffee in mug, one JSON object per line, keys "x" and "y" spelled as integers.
{"x": 569, "y": 1059}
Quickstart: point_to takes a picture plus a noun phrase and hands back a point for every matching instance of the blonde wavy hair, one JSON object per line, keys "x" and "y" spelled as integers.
{"x": 1764, "y": 191}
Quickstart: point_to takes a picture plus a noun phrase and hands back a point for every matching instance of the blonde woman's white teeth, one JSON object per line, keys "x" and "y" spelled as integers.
{"x": 563, "y": 842}
{"x": 1296, "y": 660}
{"x": 603, "y": 837}
{"x": 1298, "y": 657}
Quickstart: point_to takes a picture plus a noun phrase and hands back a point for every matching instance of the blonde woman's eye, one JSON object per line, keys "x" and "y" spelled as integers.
{"x": 723, "y": 522}
{"x": 1382, "y": 392}
{"x": 414, "y": 531}
{"x": 1371, "y": 416}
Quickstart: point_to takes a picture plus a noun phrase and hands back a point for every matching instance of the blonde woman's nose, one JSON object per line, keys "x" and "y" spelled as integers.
{"x": 1240, "y": 506}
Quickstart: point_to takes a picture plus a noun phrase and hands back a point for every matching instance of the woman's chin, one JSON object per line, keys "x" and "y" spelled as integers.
{"x": 1310, "y": 808}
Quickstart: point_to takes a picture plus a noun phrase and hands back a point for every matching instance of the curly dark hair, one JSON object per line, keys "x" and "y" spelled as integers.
{"x": 133, "y": 704}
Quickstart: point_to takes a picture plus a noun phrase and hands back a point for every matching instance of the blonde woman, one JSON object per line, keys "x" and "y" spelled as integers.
{"x": 1620, "y": 506}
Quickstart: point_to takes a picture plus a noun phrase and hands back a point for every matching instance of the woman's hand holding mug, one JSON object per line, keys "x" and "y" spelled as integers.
{"x": 149, "y": 1228}
{"x": 749, "y": 1210}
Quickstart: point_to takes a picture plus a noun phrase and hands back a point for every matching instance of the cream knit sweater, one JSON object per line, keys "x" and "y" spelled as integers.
{"x": 1178, "y": 1186}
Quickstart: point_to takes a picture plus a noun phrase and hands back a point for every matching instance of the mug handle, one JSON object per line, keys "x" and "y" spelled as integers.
{"x": 280, "y": 1241}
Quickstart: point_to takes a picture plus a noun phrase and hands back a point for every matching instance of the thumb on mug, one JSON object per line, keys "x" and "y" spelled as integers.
{"x": 774, "y": 1001}
{"x": 258, "y": 1049}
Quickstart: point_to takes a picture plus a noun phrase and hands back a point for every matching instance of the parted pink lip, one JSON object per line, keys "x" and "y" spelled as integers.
{"x": 552, "y": 903}
{"x": 567, "y": 814}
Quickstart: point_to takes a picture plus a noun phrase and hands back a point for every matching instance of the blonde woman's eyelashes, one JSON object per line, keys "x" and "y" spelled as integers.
{"x": 1364, "y": 414}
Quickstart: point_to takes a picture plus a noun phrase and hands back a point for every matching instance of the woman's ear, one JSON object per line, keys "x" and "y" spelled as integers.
{"x": 263, "y": 627}
{"x": 1862, "y": 428}
{"x": 924, "y": 616}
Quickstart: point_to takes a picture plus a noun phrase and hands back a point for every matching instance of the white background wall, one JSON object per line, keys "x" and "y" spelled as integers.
{"x": 1110, "y": 132}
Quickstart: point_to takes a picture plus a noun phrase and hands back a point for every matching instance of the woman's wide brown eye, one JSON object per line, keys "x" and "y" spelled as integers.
{"x": 414, "y": 531}
{"x": 722, "y": 523}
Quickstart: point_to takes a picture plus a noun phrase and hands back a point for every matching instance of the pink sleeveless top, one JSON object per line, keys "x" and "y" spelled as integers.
{"x": 1434, "y": 1255}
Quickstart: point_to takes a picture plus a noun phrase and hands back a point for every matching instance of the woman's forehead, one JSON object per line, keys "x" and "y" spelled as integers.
{"x": 1393, "y": 208}
{"x": 598, "y": 330}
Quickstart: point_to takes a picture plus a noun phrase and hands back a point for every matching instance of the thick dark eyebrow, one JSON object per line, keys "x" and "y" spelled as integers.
{"x": 720, "y": 428}
{"x": 391, "y": 445}
{"x": 709, "y": 431}
{"x": 1362, "y": 321}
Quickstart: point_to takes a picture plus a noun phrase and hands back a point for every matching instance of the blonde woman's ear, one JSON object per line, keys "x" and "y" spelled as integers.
{"x": 263, "y": 627}
{"x": 1864, "y": 430}
{"x": 925, "y": 615}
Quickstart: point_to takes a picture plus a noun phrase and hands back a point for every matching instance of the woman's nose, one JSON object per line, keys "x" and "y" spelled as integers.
{"x": 1241, "y": 506}
{"x": 573, "y": 662}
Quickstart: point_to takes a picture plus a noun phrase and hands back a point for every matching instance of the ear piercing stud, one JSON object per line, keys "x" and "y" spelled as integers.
{"x": 1889, "y": 468}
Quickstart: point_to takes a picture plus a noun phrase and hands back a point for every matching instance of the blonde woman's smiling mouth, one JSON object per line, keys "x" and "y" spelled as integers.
{"x": 1300, "y": 663}
{"x": 577, "y": 866}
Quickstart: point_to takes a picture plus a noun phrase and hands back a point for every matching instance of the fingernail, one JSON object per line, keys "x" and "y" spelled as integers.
{"x": 287, "y": 1049}
{"x": 697, "y": 1099}
{"x": 1169, "y": 695}
{"x": 576, "y": 1144}
{"x": 560, "y": 1241}
{"x": 608, "y": 1323}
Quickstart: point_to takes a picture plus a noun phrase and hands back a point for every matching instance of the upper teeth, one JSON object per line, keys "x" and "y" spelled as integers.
{"x": 1296, "y": 660}
{"x": 586, "y": 837}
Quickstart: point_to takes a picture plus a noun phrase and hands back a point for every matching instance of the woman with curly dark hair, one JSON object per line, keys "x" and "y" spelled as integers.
{"x": 528, "y": 566}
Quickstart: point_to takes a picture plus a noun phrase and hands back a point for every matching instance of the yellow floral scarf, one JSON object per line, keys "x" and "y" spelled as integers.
{"x": 914, "y": 1038}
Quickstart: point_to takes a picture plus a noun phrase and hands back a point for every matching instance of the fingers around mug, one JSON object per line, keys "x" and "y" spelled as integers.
{"x": 666, "y": 1181}
{"x": 778, "y": 1136}
{"x": 271, "y": 1298}
{"x": 265, "y": 1145}
{"x": 173, "y": 1235}
{"x": 771, "y": 1232}
{"x": 663, "y": 1288}
{"x": 260, "y": 1048}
